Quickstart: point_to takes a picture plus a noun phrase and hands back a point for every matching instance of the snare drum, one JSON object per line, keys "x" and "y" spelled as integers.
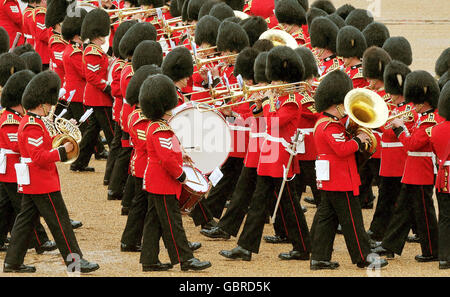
{"x": 196, "y": 187}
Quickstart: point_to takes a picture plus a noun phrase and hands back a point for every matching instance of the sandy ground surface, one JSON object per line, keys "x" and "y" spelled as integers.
{"x": 99, "y": 238}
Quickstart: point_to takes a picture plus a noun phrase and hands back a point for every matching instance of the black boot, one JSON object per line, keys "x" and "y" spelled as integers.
{"x": 194, "y": 245}
{"x": 195, "y": 264}
{"x": 46, "y": 247}
{"x": 75, "y": 224}
{"x": 294, "y": 255}
{"x": 157, "y": 267}
{"x": 215, "y": 233}
{"x": 18, "y": 268}
{"x": 318, "y": 265}
{"x": 237, "y": 253}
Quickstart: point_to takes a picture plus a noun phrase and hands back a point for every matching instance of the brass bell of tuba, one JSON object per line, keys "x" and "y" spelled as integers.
{"x": 279, "y": 37}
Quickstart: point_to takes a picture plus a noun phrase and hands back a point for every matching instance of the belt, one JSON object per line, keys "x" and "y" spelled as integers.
{"x": 446, "y": 163}
{"x": 306, "y": 131}
{"x": 27, "y": 36}
{"x": 391, "y": 144}
{"x": 25, "y": 160}
{"x": 239, "y": 128}
{"x": 421, "y": 154}
{"x": 8, "y": 152}
{"x": 257, "y": 135}
{"x": 278, "y": 139}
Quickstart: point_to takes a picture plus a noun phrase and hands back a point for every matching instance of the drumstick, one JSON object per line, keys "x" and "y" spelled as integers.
{"x": 190, "y": 181}
{"x": 190, "y": 164}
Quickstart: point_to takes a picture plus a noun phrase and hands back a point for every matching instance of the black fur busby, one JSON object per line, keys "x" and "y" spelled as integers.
{"x": 231, "y": 37}
{"x": 157, "y": 96}
{"x": 350, "y": 42}
{"x": 323, "y": 33}
{"x": 10, "y": 64}
{"x": 134, "y": 86}
{"x": 118, "y": 35}
{"x": 395, "y": 76}
{"x": 206, "y": 8}
{"x": 43, "y": 88}
{"x": 148, "y": 52}
{"x": 4, "y": 41}
{"x": 263, "y": 45}
{"x": 14, "y": 87}
{"x": 56, "y": 11}
{"x": 420, "y": 87}
{"x": 33, "y": 61}
{"x": 375, "y": 60}
{"x": 335, "y": 18}
{"x": 309, "y": 61}
{"x": 443, "y": 79}
{"x": 399, "y": 48}
{"x": 290, "y": 12}
{"x": 325, "y": 5}
{"x": 178, "y": 64}
{"x": 236, "y": 4}
{"x": 221, "y": 11}
{"x": 233, "y": 19}
{"x": 24, "y": 48}
{"x": 71, "y": 26}
{"x": 206, "y": 30}
{"x": 283, "y": 64}
{"x": 312, "y": 14}
{"x": 443, "y": 62}
{"x": 359, "y": 18}
{"x": 244, "y": 63}
{"x": 135, "y": 35}
{"x": 444, "y": 102}
{"x": 259, "y": 68}
{"x": 155, "y": 3}
{"x": 332, "y": 90}
{"x": 174, "y": 10}
{"x": 95, "y": 24}
{"x": 184, "y": 11}
{"x": 304, "y": 4}
{"x": 193, "y": 9}
{"x": 254, "y": 26}
{"x": 344, "y": 10}
{"x": 376, "y": 34}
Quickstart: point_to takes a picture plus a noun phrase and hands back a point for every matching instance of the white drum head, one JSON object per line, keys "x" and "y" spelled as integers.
{"x": 196, "y": 182}
{"x": 205, "y": 136}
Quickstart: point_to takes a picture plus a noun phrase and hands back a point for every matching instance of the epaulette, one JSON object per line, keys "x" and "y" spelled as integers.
{"x": 291, "y": 99}
{"x": 141, "y": 117}
{"x": 306, "y": 98}
{"x": 28, "y": 9}
{"x": 386, "y": 97}
{"x": 162, "y": 127}
{"x": 121, "y": 64}
{"x": 249, "y": 7}
{"x": 56, "y": 38}
{"x": 3, "y": 109}
{"x": 327, "y": 119}
{"x": 10, "y": 120}
{"x": 428, "y": 131}
{"x": 131, "y": 73}
{"x": 334, "y": 66}
{"x": 32, "y": 121}
{"x": 359, "y": 74}
{"x": 39, "y": 10}
{"x": 75, "y": 49}
{"x": 93, "y": 49}
{"x": 430, "y": 119}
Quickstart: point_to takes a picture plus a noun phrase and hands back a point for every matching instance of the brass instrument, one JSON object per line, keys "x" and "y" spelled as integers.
{"x": 279, "y": 37}
{"x": 200, "y": 62}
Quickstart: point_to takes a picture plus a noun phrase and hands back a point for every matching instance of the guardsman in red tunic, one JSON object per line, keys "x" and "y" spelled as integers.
{"x": 441, "y": 148}
{"x": 38, "y": 180}
{"x": 29, "y": 24}
{"x": 338, "y": 179}
{"x": 282, "y": 114}
{"x": 418, "y": 177}
{"x": 163, "y": 180}
{"x": 11, "y": 19}
{"x": 9, "y": 156}
{"x": 262, "y": 8}
{"x": 292, "y": 18}
{"x": 42, "y": 34}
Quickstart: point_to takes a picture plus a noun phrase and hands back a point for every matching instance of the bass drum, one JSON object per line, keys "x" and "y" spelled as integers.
{"x": 204, "y": 135}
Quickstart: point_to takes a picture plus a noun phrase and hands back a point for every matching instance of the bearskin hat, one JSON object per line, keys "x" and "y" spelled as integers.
{"x": 206, "y": 30}
{"x": 157, "y": 96}
{"x": 350, "y": 42}
{"x": 33, "y": 61}
{"x": 231, "y": 37}
{"x": 304, "y": 4}
{"x": 254, "y": 26}
{"x": 345, "y": 10}
{"x": 148, "y": 52}
{"x": 221, "y": 11}
{"x": 312, "y": 14}
{"x": 375, "y": 60}
{"x": 325, "y": 5}
{"x": 174, "y": 10}
{"x": 395, "y": 76}
{"x": 335, "y": 18}
{"x": 4, "y": 41}
{"x": 233, "y": 19}
{"x": 443, "y": 104}
{"x": 263, "y": 45}
{"x": 376, "y": 34}
{"x": 184, "y": 11}
{"x": 399, "y": 48}
{"x": 178, "y": 64}
{"x": 283, "y": 64}
{"x": 43, "y": 88}
{"x": 311, "y": 69}
{"x": 206, "y": 8}
{"x": 155, "y": 3}
{"x": 236, "y": 4}
{"x": 244, "y": 63}
{"x": 134, "y": 86}
{"x": 259, "y": 68}
{"x": 443, "y": 62}
{"x": 71, "y": 26}
{"x": 10, "y": 64}
{"x": 24, "y": 48}
{"x": 359, "y": 18}
{"x": 323, "y": 33}
{"x": 56, "y": 11}
{"x": 118, "y": 35}
{"x": 95, "y": 24}
{"x": 193, "y": 9}
{"x": 14, "y": 87}
{"x": 332, "y": 90}
{"x": 135, "y": 35}
{"x": 290, "y": 12}
{"x": 420, "y": 87}
{"x": 443, "y": 79}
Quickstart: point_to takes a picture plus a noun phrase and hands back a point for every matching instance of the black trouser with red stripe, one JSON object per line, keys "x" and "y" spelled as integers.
{"x": 307, "y": 177}
{"x": 369, "y": 174}
{"x": 132, "y": 235}
{"x": 119, "y": 173}
{"x": 10, "y": 204}
{"x": 289, "y": 209}
{"x": 114, "y": 150}
{"x": 163, "y": 219}
{"x": 444, "y": 225}
{"x": 52, "y": 208}
{"x": 129, "y": 191}
{"x": 339, "y": 208}
{"x": 417, "y": 199}
{"x": 101, "y": 119}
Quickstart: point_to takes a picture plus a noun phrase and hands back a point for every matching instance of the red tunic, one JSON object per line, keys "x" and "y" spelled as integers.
{"x": 137, "y": 124}
{"x": 116, "y": 92}
{"x": 306, "y": 126}
{"x": 256, "y": 139}
{"x": 262, "y": 8}
{"x": 57, "y": 45}
{"x": 439, "y": 138}
{"x": 334, "y": 145}
{"x": 356, "y": 74}
{"x": 29, "y": 24}
{"x": 11, "y": 19}
{"x": 379, "y": 131}
{"x": 96, "y": 70}
{"x": 74, "y": 74}
{"x": 164, "y": 164}
{"x": 9, "y": 145}
{"x": 125, "y": 77}
{"x": 42, "y": 35}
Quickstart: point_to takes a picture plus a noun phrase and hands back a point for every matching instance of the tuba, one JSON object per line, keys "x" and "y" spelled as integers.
{"x": 279, "y": 37}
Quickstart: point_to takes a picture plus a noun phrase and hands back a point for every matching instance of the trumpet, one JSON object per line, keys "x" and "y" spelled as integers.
{"x": 200, "y": 62}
